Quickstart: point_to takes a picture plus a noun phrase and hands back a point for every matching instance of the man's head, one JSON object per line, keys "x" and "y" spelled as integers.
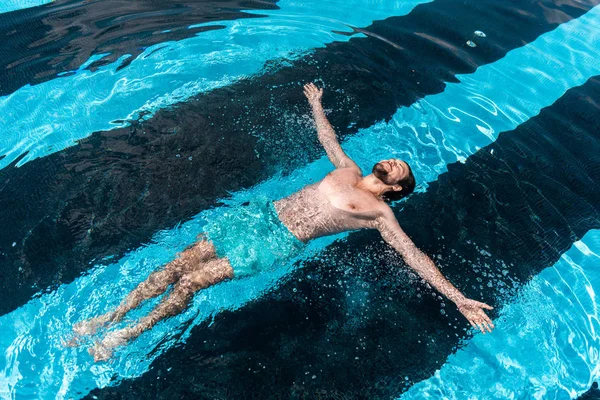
{"x": 398, "y": 175}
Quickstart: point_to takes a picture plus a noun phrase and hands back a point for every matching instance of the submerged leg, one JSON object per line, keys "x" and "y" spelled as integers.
{"x": 155, "y": 285}
{"x": 212, "y": 273}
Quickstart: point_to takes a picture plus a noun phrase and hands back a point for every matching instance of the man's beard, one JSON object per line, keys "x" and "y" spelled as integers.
{"x": 380, "y": 173}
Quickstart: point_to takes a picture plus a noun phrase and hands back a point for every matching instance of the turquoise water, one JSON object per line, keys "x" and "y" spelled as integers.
{"x": 434, "y": 132}
{"x": 12, "y": 5}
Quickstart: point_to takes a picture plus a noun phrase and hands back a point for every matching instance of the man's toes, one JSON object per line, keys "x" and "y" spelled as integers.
{"x": 74, "y": 341}
{"x": 83, "y": 328}
{"x": 88, "y": 327}
{"x": 100, "y": 352}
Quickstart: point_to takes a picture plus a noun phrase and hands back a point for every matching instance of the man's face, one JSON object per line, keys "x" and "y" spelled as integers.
{"x": 391, "y": 171}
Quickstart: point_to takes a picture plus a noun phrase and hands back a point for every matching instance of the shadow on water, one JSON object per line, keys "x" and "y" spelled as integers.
{"x": 335, "y": 330}
{"x": 37, "y": 44}
{"x": 592, "y": 394}
{"x": 115, "y": 189}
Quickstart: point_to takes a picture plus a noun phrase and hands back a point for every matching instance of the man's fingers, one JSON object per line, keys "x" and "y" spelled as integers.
{"x": 478, "y": 319}
{"x": 311, "y": 88}
{"x": 488, "y": 321}
{"x": 486, "y": 325}
{"x": 486, "y": 318}
{"x": 490, "y": 324}
{"x": 475, "y": 323}
{"x": 481, "y": 322}
{"x": 485, "y": 321}
{"x": 481, "y": 327}
{"x": 472, "y": 323}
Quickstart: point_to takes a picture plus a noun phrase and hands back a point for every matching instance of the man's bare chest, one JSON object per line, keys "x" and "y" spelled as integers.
{"x": 342, "y": 194}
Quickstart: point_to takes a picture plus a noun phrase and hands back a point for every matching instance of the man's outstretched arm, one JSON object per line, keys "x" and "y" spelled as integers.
{"x": 325, "y": 130}
{"x": 393, "y": 234}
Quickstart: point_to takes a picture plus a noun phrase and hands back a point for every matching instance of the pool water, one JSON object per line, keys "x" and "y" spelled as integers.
{"x": 117, "y": 151}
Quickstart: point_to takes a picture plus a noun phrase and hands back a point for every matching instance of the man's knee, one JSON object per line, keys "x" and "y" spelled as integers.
{"x": 225, "y": 269}
{"x": 213, "y": 273}
{"x": 221, "y": 270}
{"x": 163, "y": 278}
{"x": 188, "y": 283}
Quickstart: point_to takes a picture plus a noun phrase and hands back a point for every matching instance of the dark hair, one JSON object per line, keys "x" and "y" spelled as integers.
{"x": 408, "y": 184}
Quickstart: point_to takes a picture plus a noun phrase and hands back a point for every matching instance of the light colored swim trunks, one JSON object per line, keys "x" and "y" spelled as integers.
{"x": 252, "y": 237}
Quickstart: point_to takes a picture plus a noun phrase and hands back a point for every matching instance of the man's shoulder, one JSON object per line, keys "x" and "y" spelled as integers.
{"x": 349, "y": 174}
{"x": 384, "y": 211}
{"x": 350, "y": 170}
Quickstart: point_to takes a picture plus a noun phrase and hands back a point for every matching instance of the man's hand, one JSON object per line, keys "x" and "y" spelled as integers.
{"x": 473, "y": 311}
{"x": 313, "y": 94}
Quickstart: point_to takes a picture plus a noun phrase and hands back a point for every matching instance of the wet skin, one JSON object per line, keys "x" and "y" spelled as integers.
{"x": 344, "y": 200}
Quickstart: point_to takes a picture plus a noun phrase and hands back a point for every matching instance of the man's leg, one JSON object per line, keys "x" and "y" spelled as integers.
{"x": 213, "y": 272}
{"x": 155, "y": 285}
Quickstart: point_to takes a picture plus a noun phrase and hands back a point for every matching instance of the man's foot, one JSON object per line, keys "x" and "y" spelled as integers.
{"x": 102, "y": 351}
{"x": 74, "y": 341}
{"x": 90, "y": 326}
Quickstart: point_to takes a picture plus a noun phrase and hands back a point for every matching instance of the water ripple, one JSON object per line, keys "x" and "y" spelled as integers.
{"x": 171, "y": 72}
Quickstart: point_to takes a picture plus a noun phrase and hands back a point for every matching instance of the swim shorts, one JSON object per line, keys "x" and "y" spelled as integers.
{"x": 252, "y": 237}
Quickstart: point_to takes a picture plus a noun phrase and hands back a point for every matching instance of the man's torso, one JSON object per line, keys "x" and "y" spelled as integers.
{"x": 330, "y": 206}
